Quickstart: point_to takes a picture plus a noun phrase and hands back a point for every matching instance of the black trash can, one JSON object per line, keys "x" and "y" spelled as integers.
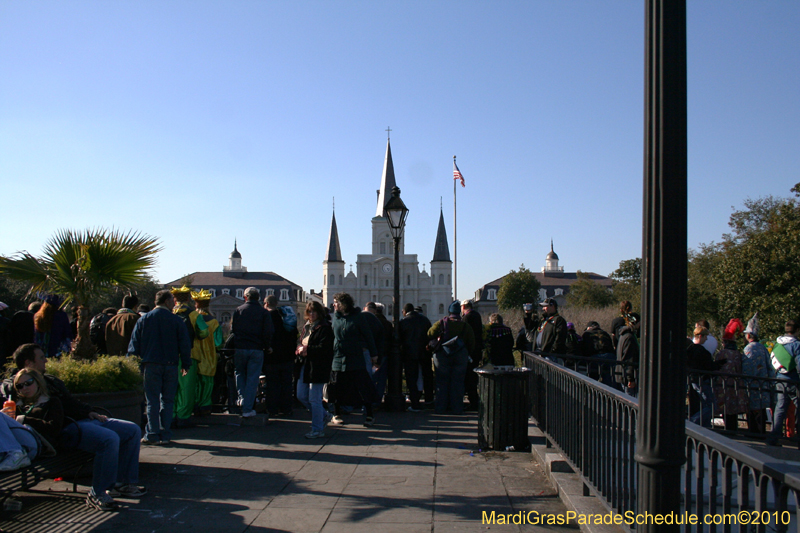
{"x": 504, "y": 408}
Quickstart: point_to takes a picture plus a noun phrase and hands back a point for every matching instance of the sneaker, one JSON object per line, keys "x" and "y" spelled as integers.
{"x": 315, "y": 434}
{"x": 337, "y": 420}
{"x": 248, "y": 414}
{"x": 327, "y": 419}
{"x": 413, "y": 410}
{"x": 14, "y": 460}
{"x": 102, "y": 502}
{"x": 127, "y": 491}
{"x": 369, "y": 421}
{"x": 148, "y": 442}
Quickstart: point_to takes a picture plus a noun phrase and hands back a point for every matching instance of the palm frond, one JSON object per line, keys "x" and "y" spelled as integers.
{"x": 26, "y": 268}
{"x": 80, "y": 265}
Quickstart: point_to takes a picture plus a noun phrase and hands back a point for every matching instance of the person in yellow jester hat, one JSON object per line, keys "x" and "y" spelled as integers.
{"x": 186, "y": 396}
{"x": 205, "y": 351}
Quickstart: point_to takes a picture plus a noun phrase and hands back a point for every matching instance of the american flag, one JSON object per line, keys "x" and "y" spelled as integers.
{"x": 457, "y": 174}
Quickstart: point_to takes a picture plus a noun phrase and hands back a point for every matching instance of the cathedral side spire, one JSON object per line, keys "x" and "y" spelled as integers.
{"x": 441, "y": 251}
{"x": 387, "y": 181}
{"x": 334, "y": 251}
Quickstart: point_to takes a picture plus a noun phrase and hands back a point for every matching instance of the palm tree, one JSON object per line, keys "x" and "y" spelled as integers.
{"x": 80, "y": 266}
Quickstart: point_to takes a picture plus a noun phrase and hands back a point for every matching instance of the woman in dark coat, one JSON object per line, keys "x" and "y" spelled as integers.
{"x": 316, "y": 349}
{"x": 352, "y": 337}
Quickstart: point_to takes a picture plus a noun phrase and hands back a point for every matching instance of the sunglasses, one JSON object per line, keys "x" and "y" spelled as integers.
{"x": 23, "y": 384}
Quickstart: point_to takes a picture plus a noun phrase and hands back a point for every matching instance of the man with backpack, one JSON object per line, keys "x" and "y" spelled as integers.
{"x": 279, "y": 364}
{"x": 785, "y": 357}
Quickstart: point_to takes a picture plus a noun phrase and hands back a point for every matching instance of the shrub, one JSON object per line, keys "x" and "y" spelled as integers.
{"x": 108, "y": 373}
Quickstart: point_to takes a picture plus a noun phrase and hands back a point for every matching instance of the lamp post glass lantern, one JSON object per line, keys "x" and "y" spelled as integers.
{"x": 396, "y": 212}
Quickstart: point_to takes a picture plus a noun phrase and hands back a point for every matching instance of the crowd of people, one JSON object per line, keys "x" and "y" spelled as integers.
{"x": 337, "y": 362}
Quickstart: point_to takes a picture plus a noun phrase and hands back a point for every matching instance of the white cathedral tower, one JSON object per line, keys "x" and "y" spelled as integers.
{"x": 374, "y": 276}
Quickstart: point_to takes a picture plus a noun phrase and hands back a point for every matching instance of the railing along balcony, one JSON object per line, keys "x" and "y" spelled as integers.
{"x": 593, "y": 425}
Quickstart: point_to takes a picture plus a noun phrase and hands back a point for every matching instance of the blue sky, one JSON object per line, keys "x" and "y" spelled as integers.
{"x": 201, "y": 122}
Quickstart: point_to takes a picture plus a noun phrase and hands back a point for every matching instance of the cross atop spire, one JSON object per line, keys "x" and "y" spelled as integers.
{"x": 388, "y": 133}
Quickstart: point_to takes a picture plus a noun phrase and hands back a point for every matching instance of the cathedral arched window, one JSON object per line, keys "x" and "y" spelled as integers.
{"x": 441, "y": 279}
{"x": 365, "y": 280}
{"x": 340, "y": 279}
{"x": 448, "y": 279}
{"x": 331, "y": 279}
{"x": 383, "y": 248}
{"x": 425, "y": 309}
{"x": 408, "y": 278}
{"x": 441, "y": 309}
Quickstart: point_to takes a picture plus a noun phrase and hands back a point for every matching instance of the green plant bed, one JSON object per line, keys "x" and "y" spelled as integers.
{"x": 107, "y": 373}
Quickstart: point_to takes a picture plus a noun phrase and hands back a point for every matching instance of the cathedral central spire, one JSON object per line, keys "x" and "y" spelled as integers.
{"x": 387, "y": 181}
{"x": 334, "y": 251}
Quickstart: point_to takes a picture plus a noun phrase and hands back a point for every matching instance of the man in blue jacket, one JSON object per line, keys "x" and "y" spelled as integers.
{"x": 161, "y": 340}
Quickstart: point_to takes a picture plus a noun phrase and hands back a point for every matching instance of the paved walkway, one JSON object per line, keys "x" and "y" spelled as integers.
{"x": 411, "y": 472}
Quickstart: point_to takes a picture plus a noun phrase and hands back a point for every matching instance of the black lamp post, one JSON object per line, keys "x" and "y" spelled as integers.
{"x": 397, "y": 212}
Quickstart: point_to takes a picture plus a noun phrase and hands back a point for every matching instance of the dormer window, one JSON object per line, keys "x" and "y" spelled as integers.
{"x": 240, "y": 294}
{"x": 492, "y": 294}
{"x": 226, "y": 291}
{"x": 284, "y": 294}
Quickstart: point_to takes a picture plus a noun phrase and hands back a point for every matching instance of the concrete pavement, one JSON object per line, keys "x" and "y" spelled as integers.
{"x": 410, "y": 472}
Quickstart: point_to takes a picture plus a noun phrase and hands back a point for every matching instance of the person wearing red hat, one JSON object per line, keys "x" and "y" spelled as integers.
{"x": 731, "y": 394}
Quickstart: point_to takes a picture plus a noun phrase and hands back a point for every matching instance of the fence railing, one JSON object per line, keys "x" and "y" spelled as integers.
{"x": 593, "y": 426}
{"x": 741, "y": 401}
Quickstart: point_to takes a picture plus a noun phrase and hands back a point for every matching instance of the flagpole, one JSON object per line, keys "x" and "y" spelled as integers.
{"x": 455, "y": 241}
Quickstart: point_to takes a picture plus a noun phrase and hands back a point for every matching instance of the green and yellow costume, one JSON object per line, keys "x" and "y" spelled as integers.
{"x": 204, "y": 350}
{"x": 186, "y": 397}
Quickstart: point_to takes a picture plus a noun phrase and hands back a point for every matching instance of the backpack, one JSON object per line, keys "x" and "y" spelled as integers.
{"x": 97, "y": 328}
{"x": 782, "y": 360}
{"x": 289, "y": 318}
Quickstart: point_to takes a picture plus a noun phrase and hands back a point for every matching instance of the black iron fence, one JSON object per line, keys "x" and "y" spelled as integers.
{"x": 740, "y": 403}
{"x": 593, "y": 425}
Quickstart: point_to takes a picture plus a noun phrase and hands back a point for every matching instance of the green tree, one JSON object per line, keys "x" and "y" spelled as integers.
{"x": 759, "y": 264}
{"x": 518, "y": 288}
{"x": 587, "y": 293}
{"x": 627, "y": 282}
{"x": 83, "y": 265}
{"x": 702, "y": 294}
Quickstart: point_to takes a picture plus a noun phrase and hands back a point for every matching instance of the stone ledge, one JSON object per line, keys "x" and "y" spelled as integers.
{"x": 569, "y": 485}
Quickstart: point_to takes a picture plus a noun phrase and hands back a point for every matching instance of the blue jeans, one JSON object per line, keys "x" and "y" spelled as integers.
{"x": 310, "y": 395}
{"x": 248, "y": 368}
{"x": 450, "y": 372}
{"x": 379, "y": 378}
{"x": 708, "y": 401}
{"x": 160, "y": 386}
{"x": 115, "y": 444}
{"x": 279, "y": 386}
{"x": 786, "y": 392}
{"x": 15, "y": 436}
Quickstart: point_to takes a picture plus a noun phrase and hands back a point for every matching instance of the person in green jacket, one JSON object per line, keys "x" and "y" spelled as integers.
{"x": 352, "y": 337}
{"x": 450, "y": 358}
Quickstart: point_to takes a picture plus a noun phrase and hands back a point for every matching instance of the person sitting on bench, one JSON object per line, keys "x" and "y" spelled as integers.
{"x": 115, "y": 443}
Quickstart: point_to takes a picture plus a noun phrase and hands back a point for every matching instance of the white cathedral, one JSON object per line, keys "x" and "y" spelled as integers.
{"x": 374, "y": 277}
